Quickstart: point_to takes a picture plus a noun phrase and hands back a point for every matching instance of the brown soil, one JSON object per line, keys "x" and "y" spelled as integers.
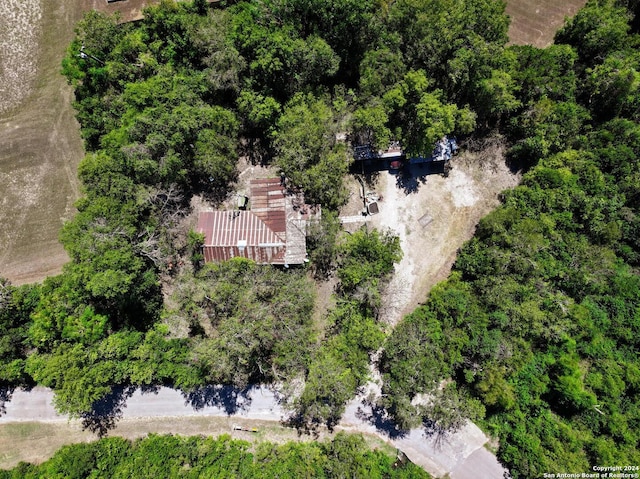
{"x": 40, "y": 144}
{"x": 535, "y": 22}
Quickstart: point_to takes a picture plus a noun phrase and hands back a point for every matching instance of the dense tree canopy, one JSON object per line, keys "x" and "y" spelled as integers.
{"x": 539, "y": 320}
{"x": 250, "y": 323}
{"x": 16, "y": 306}
{"x": 534, "y": 334}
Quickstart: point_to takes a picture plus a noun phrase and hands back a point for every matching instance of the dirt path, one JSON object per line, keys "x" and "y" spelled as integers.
{"x": 434, "y": 216}
{"x": 167, "y": 410}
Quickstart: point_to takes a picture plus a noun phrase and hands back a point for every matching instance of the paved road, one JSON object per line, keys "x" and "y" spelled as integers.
{"x": 461, "y": 455}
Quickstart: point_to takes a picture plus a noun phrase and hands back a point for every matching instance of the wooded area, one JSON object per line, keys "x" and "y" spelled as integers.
{"x": 538, "y": 325}
{"x": 535, "y": 334}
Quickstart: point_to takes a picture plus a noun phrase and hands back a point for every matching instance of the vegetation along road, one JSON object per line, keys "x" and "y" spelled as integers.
{"x": 460, "y": 454}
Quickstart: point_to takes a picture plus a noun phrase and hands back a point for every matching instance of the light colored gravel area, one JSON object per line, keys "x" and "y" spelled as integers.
{"x": 434, "y": 216}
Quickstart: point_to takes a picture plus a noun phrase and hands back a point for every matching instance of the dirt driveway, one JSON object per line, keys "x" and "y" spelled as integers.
{"x": 434, "y": 215}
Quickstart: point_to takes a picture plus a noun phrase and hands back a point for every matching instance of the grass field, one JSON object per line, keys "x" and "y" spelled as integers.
{"x": 36, "y": 442}
{"x": 535, "y": 22}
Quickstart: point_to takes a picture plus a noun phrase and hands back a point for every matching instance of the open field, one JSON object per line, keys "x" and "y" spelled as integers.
{"x": 535, "y": 22}
{"x": 40, "y": 144}
{"x": 20, "y": 27}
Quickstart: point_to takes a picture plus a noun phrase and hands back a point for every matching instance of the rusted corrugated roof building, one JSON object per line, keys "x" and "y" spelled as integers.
{"x": 272, "y": 232}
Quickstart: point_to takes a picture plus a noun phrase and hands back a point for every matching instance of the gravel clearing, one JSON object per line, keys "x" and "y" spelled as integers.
{"x": 434, "y": 216}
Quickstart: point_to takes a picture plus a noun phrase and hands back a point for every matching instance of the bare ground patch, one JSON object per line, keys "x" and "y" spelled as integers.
{"x": 19, "y": 35}
{"x": 434, "y": 215}
{"x": 535, "y": 22}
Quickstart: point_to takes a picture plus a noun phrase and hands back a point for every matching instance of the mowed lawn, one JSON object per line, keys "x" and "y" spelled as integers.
{"x": 535, "y": 22}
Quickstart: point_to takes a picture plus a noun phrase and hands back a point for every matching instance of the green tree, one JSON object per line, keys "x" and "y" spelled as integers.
{"x": 16, "y": 306}
{"x": 322, "y": 241}
{"x": 454, "y": 42}
{"x": 422, "y": 116}
{"x": 307, "y": 151}
{"x": 613, "y": 86}
{"x": 370, "y": 126}
{"x": 596, "y": 30}
{"x": 498, "y": 95}
{"x": 249, "y": 322}
{"x": 367, "y": 256}
{"x": 380, "y": 69}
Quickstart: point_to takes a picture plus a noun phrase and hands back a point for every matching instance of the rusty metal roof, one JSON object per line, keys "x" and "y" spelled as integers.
{"x": 229, "y": 228}
{"x": 274, "y": 231}
{"x": 268, "y": 202}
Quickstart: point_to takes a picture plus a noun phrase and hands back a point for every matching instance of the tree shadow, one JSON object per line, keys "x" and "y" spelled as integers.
{"x": 7, "y": 390}
{"x": 256, "y": 150}
{"x": 213, "y": 193}
{"x": 380, "y": 419}
{"x": 308, "y": 424}
{"x": 371, "y": 178}
{"x": 434, "y": 431}
{"x": 149, "y": 389}
{"x": 369, "y": 169}
{"x": 228, "y": 398}
{"x": 6, "y": 393}
{"x": 412, "y": 176}
{"x": 106, "y": 412}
